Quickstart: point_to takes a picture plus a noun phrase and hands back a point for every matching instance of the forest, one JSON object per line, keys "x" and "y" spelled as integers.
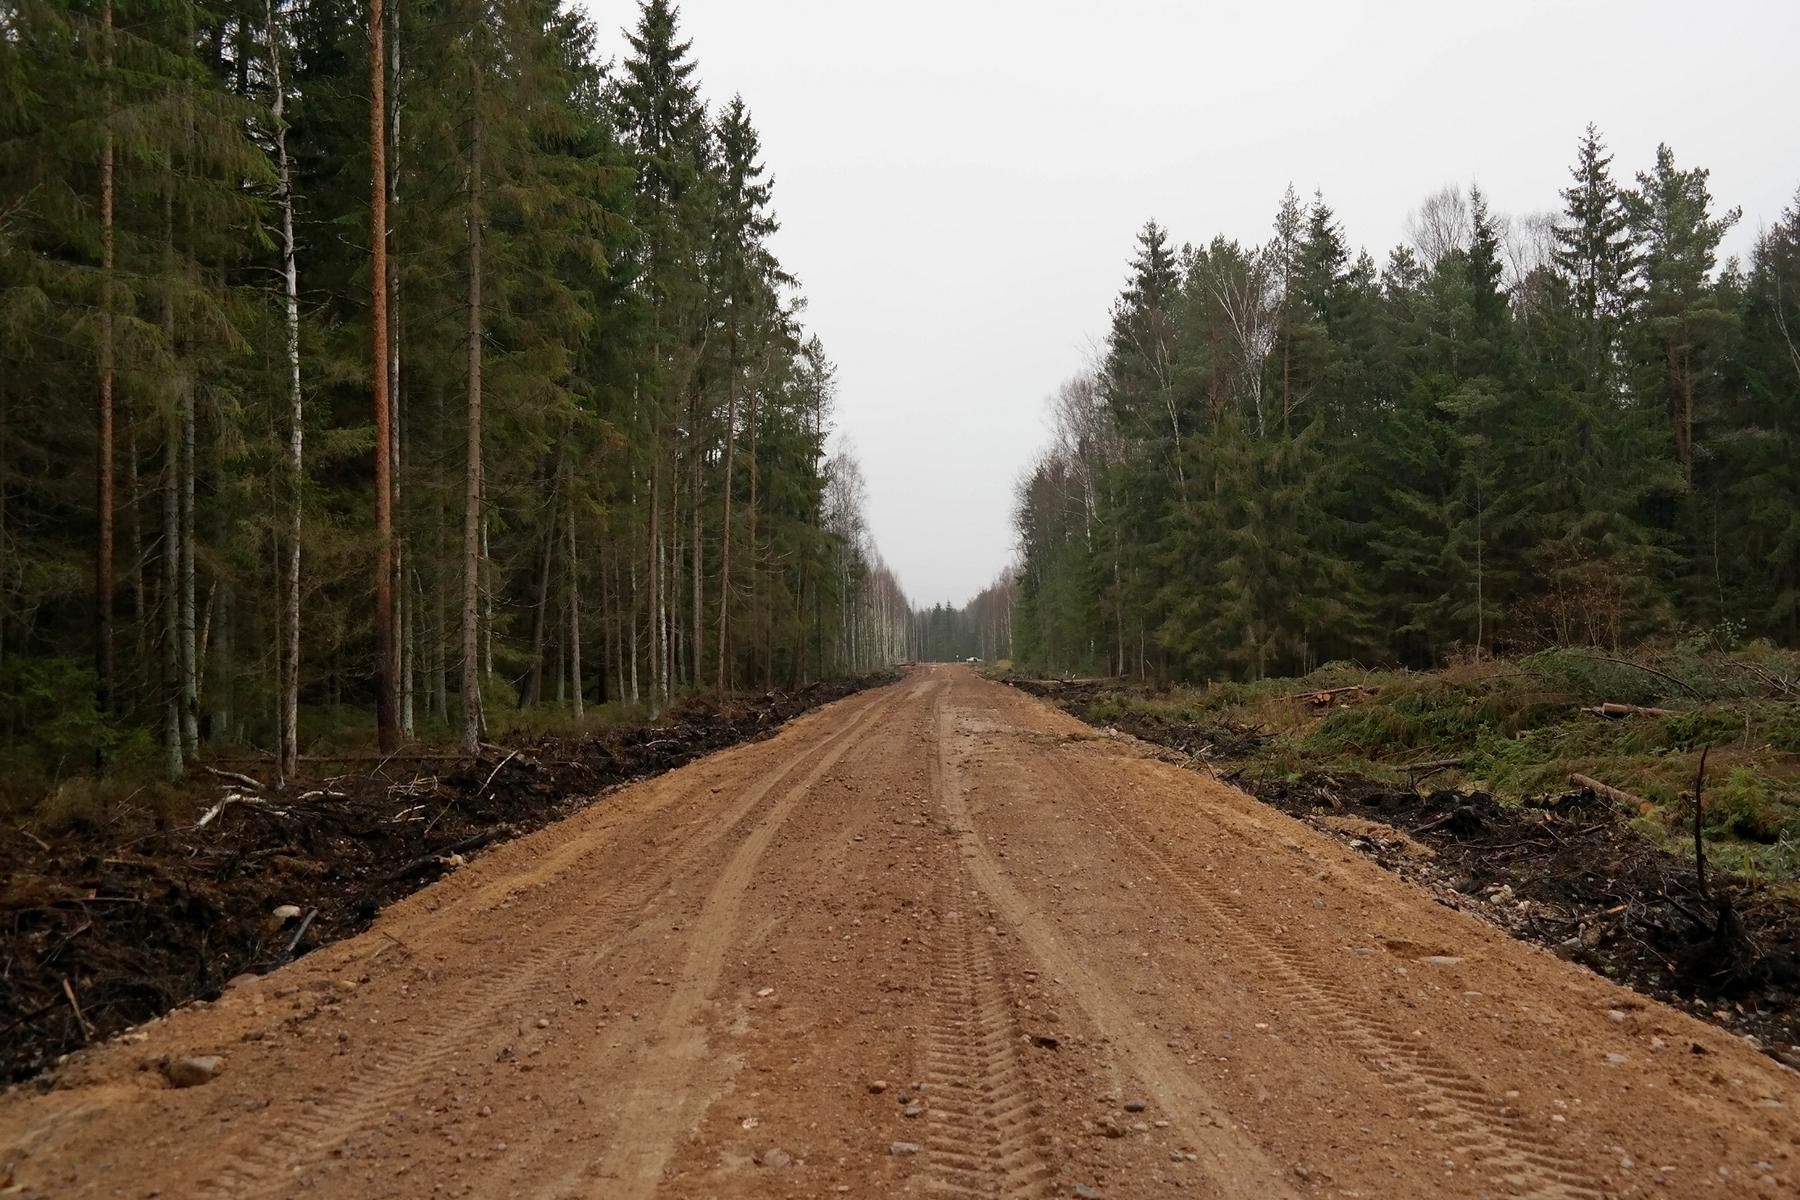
{"x": 1573, "y": 428}
{"x": 378, "y": 372}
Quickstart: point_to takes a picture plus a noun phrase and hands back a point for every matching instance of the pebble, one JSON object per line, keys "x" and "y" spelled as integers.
{"x": 912, "y": 1110}
{"x": 877, "y": 1086}
{"x": 765, "y": 993}
{"x": 543, "y": 1023}
{"x": 1110, "y": 1127}
{"x": 902, "y": 1149}
{"x": 1616, "y": 1016}
{"x": 1083, "y": 1190}
{"x": 193, "y": 1070}
{"x": 1135, "y": 1106}
{"x": 776, "y": 1158}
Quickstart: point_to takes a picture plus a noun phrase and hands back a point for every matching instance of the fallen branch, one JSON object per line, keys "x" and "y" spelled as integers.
{"x": 254, "y": 785}
{"x": 326, "y": 793}
{"x": 1617, "y": 795}
{"x": 207, "y": 817}
{"x": 1612, "y": 710}
{"x": 1442, "y": 764}
{"x": 1625, "y": 662}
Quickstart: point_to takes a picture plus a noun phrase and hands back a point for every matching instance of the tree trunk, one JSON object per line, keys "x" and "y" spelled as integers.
{"x": 655, "y": 548}
{"x": 534, "y": 679}
{"x": 190, "y": 680}
{"x": 574, "y": 606}
{"x": 472, "y": 522}
{"x": 287, "y": 750}
{"x": 171, "y": 630}
{"x": 403, "y": 615}
{"x": 697, "y": 651}
{"x": 752, "y": 567}
{"x": 722, "y": 680}
{"x": 387, "y": 727}
{"x": 103, "y": 501}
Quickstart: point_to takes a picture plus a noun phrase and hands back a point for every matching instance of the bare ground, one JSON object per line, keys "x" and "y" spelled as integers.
{"x": 1076, "y": 969}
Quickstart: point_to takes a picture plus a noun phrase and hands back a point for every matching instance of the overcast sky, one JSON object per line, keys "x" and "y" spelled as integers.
{"x": 959, "y": 183}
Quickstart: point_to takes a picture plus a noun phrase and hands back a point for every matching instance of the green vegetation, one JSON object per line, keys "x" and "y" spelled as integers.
{"x": 1557, "y": 430}
{"x": 1520, "y": 728}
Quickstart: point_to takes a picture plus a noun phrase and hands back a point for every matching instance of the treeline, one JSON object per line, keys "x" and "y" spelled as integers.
{"x": 982, "y": 628}
{"x": 404, "y": 356}
{"x": 1572, "y": 428}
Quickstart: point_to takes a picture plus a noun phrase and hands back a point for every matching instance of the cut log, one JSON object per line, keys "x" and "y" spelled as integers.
{"x": 1618, "y": 796}
{"x": 1612, "y": 710}
{"x": 1324, "y": 695}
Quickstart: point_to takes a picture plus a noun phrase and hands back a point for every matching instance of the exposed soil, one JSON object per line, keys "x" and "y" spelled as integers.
{"x": 941, "y": 939}
{"x": 137, "y": 919}
{"x": 1568, "y": 873}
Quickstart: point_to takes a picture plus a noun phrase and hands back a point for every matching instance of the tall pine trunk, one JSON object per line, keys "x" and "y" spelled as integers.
{"x": 103, "y": 500}
{"x": 387, "y": 726}
{"x": 472, "y": 522}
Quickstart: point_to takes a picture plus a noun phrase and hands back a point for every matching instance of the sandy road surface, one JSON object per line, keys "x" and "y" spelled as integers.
{"x": 1079, "y": 970}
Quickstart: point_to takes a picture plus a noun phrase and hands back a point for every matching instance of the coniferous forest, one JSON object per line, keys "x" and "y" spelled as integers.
{"x": 400, "y": 366}
{"x": 1574, "y": 428}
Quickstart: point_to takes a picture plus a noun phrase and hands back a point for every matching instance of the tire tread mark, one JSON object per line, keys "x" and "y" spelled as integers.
{"x": 272, "y": 1165}
{"x": 1486, "y": 1127}
{"x": 984, "y": 1137}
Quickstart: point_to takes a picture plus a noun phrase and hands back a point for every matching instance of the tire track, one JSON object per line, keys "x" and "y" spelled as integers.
{"x": 390, "y": 1076}
{"x": 985, "y": 1138}
{"x": 1237, "y": 1168}
{"x": 668, "y": 1096}
{"x": 1484, "y": 1127}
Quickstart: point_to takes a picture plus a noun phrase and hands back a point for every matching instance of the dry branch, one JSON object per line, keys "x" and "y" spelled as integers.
{"x": 1612, "y": 710}
{"x": 254, "y": 785}
{"x": 1618, "y": 795}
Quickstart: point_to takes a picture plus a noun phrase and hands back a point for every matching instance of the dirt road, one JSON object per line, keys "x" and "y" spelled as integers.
{"x": 934, "y": 939}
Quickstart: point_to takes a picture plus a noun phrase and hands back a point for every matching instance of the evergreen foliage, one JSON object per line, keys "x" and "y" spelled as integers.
{"x": 582, "y": 246}
{"x": 1301, "y": 458}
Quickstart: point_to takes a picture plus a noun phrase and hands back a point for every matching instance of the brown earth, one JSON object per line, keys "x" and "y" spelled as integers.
{"x": 135, "y": 908}
{"x": 1077, "y": 970}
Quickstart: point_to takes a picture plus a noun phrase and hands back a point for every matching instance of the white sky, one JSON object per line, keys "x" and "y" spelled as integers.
{"x": 959, "y": 183}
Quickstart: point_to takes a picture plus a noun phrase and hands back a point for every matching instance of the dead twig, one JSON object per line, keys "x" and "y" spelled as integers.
{"x": 494, "y": 772}
{"x": 299, "y": 933}
{"x": 87, "y": 1029}
{"x": 41, "y": 843}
